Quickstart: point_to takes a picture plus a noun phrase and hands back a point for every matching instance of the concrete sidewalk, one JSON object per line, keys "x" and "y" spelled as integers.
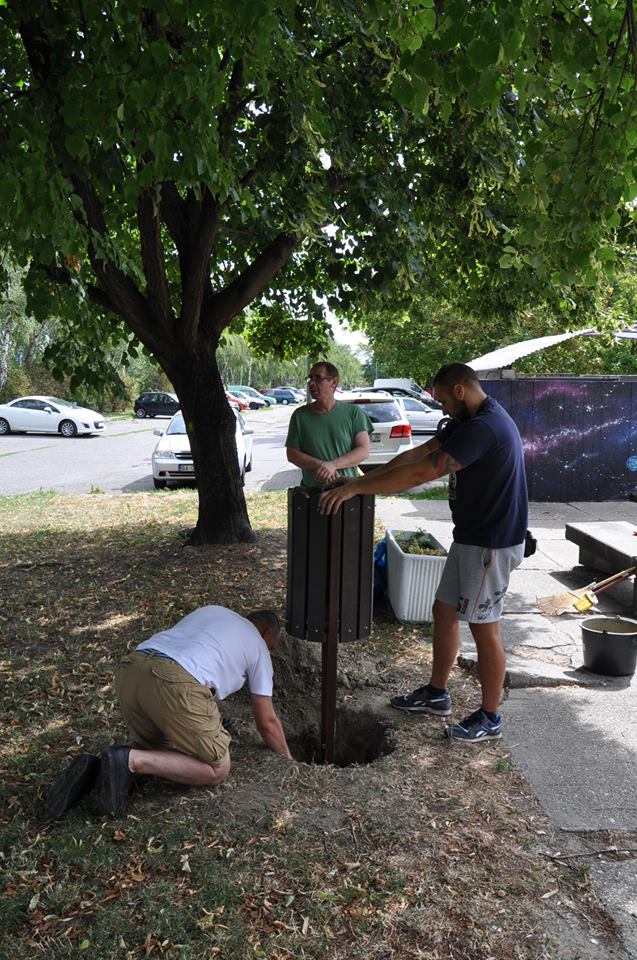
{"x": 573, "y": 733}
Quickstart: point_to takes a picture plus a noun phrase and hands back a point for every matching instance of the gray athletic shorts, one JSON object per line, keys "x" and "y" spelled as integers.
{"x": 475, "y": 580}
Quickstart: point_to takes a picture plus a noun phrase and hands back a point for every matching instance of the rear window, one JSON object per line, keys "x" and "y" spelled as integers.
{"x": 381, "y": 412}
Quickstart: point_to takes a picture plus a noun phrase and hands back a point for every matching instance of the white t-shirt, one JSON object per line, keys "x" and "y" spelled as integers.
{"x": 218, "y": 648}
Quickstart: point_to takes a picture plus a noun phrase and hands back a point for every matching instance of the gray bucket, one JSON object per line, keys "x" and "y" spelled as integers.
{"x": 610, "y": 645}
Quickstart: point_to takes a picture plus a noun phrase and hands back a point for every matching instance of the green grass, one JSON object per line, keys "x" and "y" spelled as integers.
{"x": 431, "y": 493}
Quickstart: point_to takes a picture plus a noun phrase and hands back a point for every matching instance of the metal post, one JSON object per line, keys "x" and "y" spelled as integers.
{"x": 330, "y": 644}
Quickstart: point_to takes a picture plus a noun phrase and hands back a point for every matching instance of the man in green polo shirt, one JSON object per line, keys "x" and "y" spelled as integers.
{"x": 327, "y": 439}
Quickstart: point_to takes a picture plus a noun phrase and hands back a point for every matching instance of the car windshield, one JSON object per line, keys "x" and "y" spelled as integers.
{"x": 62, "y": 403}
{"x": 380, "y": 412}
{"x": 177, "y": 424}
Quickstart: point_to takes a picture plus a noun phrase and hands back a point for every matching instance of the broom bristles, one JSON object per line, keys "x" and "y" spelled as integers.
{"x": 559, "y": 603}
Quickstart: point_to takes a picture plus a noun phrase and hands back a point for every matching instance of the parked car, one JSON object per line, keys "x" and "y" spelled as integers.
{"x": 172, "y": 460}
{"x": 424, "y": 417}
{"x": 48, "y": 415}
{"x": 253, "y": 402}
{"x": 156, "y": 403}
{"x": 392, "y": 430}
{"x": 413, "y": 388}
{"x": 301, "y": 394}
{"x": 400, "y": 392}
{"x": 251, "y": 392}
{"x": 236, "y": 401}
{"x": 281, "y": 395}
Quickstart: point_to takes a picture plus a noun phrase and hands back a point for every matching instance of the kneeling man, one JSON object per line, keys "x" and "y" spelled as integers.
{"x": 168, "y": 689}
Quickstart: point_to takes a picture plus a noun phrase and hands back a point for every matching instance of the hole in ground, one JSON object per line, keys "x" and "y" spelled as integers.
{"x": 361, "y": 737}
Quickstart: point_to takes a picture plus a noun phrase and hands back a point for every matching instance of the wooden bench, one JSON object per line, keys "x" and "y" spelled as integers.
{"x": 606, "y": 545}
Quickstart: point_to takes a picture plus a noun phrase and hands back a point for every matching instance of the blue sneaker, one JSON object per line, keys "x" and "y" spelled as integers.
{"x": 423, "y": 701}
{"x": 476, "y": 727}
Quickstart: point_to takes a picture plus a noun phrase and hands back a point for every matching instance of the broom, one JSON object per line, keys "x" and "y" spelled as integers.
{"x": 555, "y": 605}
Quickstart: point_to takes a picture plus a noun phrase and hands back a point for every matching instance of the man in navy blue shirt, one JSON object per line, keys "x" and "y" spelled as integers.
{"x": 481, "y": 451}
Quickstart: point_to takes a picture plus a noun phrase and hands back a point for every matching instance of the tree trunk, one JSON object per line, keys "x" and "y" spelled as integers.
{"x": 33, "y": 345}
{"x": 5, "y": 339}
{"x": 211, "y": 425}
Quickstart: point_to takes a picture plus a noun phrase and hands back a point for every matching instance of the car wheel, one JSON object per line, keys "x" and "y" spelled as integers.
{"x": 140, "y": 412}
{"x": 285, "y": 401}
{"x": 4, "y": 427}
{"x": 254, "y": 405}
{"x": 68, "y": 429}
{"x": 159, "y": 484}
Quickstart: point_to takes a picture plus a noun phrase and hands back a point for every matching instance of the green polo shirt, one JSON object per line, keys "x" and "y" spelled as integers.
{"x": 327, "y": 435}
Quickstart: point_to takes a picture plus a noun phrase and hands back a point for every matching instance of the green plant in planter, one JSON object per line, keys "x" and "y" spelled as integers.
{"x": 421, "y": 543}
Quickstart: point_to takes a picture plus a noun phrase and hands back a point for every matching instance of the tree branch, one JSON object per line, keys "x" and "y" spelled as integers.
{"x": 96, "y": 294}
{"x": 227, "y": 303}
{"x": 173, "y": 211}
{"x": 195, "y": 271}
{"x": 153, "y": 257}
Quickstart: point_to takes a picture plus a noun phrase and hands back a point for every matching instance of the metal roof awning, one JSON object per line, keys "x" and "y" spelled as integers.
{"x": 506, "y": 356}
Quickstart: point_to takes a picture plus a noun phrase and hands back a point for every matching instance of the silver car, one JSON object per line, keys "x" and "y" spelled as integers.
{"x": 423, "y": 417}
{"x": 172, "y": 459}
{"x": 392, "y": 430}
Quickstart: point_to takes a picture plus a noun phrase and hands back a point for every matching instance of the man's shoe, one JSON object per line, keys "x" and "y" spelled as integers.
{"x": 116, "y": 780}
{"x": 476, "y": 727}
{"x": 78, "y": 778}
{"x": 423, "y": 701}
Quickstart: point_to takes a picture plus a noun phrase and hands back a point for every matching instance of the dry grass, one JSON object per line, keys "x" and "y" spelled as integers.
{"x": 432, "y": 851}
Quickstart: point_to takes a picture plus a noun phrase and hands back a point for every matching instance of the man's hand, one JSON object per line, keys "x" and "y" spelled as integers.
{"x": 330, "y": 500}
{"x": 326, "y": 472}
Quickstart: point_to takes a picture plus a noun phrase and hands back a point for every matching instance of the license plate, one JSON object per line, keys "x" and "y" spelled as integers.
{"x": 185, "y": 468}
{"x": 376, "y": 438}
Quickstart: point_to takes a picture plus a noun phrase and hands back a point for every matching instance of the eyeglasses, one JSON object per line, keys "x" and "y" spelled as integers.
{"x": 316, "y": 378}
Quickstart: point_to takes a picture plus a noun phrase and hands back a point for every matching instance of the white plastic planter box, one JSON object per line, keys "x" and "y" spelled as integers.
{"x": 412, "y": 580}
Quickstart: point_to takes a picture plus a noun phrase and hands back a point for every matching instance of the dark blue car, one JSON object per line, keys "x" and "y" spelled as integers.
{"x": 281, "y": 395}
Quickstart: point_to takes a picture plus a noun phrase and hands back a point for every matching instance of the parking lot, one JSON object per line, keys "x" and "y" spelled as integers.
{"x": 118, "y": 461}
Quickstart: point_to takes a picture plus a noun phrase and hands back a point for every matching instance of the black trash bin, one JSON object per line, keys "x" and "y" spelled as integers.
{"x": 330, "y": 585}
{"x": 316, "y": 546}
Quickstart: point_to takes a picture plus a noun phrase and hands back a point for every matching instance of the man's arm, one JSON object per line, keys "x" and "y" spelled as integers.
{"x": 398, "y": 475}
{"x": 328, "y": 470}
{"x": 303, "y": 460}
{"x": 269, "y": 725}
{"x": 414, "y": 455}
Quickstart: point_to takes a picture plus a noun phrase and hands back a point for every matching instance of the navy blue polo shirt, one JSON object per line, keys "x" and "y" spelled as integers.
{"x": 488, "y": 497}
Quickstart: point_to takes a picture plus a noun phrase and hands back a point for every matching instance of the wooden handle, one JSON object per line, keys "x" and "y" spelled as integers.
{"x": 622, "y": 575}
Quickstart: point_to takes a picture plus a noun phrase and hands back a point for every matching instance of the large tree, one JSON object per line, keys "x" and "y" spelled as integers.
{"x": 164, "y": 164}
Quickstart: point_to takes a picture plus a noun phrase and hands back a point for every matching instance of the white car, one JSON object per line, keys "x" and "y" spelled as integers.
{"x": 423, "y": 417}
{"x": 48, "y": 415}
{"x": 172, "y": 459}
{"x": 392, "y": 430}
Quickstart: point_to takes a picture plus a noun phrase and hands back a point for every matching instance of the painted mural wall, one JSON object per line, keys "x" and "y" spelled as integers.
{"x": 579, "y": 435}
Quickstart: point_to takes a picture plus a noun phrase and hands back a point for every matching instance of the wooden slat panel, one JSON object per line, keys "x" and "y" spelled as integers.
{"x": 317, "y": 571}
{"x": 350, "y": 563}
{"x": 298, "y": 525}
{"x": 366, "y": 566}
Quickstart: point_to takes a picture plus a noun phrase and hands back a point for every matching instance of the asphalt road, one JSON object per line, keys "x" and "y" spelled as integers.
{"x": 118, "y": 461}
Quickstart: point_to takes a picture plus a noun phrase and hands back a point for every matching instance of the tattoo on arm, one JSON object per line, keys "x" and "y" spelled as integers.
{"x": 443, "y": 463}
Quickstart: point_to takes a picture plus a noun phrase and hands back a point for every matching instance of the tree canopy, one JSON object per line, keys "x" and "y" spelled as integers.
{"x": 165, "y": 164}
